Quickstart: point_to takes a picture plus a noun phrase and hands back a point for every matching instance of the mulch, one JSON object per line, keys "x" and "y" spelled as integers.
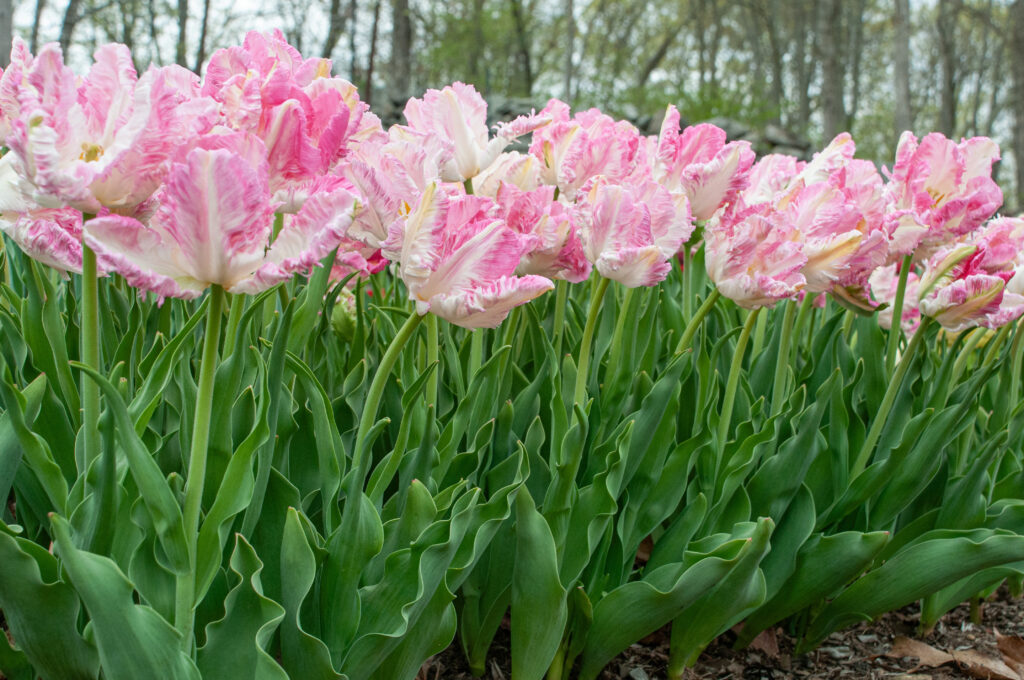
{"x": 956, "y": 648}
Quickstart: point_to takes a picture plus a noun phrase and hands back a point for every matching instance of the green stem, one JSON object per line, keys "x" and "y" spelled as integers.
{"x": 558, "y": 329}
{"x": 759, "y": 332}
{"x": 234, "y": 317}
{"x": 782, "y": 360}
{"x": 431, "y": 393}
{"x": 476, "y": 353}
{"x": 90, "y": 355}
{"x": 687, "y": 287}
{"x": 734, "y": 378}
{"x": 615, "y": 353}
{"x": 965, "y": 354}
{"x": 801, "y": 318}
{"x": 996, "y": 344}
{"x": 890, "y": 396}
{"x": 896, "y": 328}
{"x": 848, "y": 318}
{"x": 583, "y": 365}
{"x": 184, "y": 605}
{"x": 469, "y": 186}
{"x": 380, "y": 380}
{"x": 1017, "y": 352}
{"x": 698, "y": 317}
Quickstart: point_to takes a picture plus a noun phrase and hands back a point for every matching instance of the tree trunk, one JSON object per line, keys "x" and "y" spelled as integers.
{"x": 401, "y": 50}
{"x": 6, "y": 32}
{"x": 67, "y": 27}
{"x": 570, "y": 37}
{"x": 335, "y": 27}
{"x": 180, "y": 56}
{"x": 33, "y": 40}
{"x": 201, "y": 49}
{"x": 368, "y": 97}
{"x": 1017, "y": 74}
{"x": 856, "y": 50}
{"x": 903, "y": 117}
{"x": 522, "y": 46}
{"x": 833, "y": 110}
{"x": 946, "y": 28}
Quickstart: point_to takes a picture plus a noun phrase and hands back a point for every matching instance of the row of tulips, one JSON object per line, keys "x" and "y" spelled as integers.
{"x": 222, "y": 282}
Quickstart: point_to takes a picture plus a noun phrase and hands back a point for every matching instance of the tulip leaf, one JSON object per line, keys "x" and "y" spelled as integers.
{"x": 539, "y": 608}
{"x": 236, "y": 644}
{"x": 29, "y": 586}
{"x": 133, "y": 640}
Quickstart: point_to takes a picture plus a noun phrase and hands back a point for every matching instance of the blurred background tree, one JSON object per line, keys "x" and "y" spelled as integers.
{"x": 800, "y": 69}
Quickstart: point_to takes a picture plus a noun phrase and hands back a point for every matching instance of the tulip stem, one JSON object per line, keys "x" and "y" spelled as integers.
{"x": 698, "y": 317}
{"x": 965, "y": 354}
{"x": 882, "y": 414}
{"x": 234, "y": 317}
{"x": 615, "y": 354}
{"x": 558, "y": 329}
{"x": 996, "y": 344}
{"x": 687, "y": 287}
{"x": 583, "y": 365}
{"x": 184, "y": 603}
{"x": 431, "y": 394}
{"x": 1016, "y": 351}
{"x": 782, "y": 359}
{"x": 380, "y": 379}
{"x": 734, "y": 378}
{"x": 476, "y": 353}
{"x": 801, "y": 318}
{"x": 896, "y": 327}
{"x": 90, "y": 356}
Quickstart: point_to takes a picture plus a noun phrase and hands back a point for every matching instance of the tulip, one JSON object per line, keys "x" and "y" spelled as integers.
{"x": 458, "y": 260}
{"x": 630, "y": 233}
{"x": 457, "y": 116}
{"x": 575, "y": 150}
{"x": 551, "y": 240}
{"x": 104, "y": 142}
{"x": 213, "y": 226}
{"x": 939, "y": 190}
{"x": 700, "y": 164}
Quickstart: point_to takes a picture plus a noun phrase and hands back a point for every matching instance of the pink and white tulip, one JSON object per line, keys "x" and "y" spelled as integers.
{"x": 105, "y": 141}
{"x": 213, "y": 226}
{"x": 700, "y": 164}
{"x": 551, "y": 240}
{"x": 630, "y": 233}
{"x": 458, "y": 260}
{"x": 575, "y": 150}
{"x": 457, "y": 116}
{"x": 939, "y": 191}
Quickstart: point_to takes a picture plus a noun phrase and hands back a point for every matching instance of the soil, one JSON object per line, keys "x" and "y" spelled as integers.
{"x": 865, "y": 651}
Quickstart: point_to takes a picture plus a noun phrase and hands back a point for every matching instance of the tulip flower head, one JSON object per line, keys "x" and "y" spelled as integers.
{"x": 551, "y": 240}
{"x": 458, "y": 260}
{"x": 213, "y": 225}
{"x": 104, "y": 141}
{"x": 631, "y": 232}
{"x": 699, "y": 163}
{"x": 939, "y": 191}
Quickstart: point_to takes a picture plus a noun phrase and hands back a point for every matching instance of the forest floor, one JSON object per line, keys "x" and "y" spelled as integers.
{"x": 885, "y": 648}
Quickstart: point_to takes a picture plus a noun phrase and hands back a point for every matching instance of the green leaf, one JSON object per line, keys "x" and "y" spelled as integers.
{"x": 302, "y": 655}
{"x": 133, "y": 640}
{"x": 154, "y": 489}
{"x": 823, "y": 566}
{"x": 236, "y": 644}
{"x": 539, "y": 608}
{"x": 916, "y": 571}
{"x": 29, "y": 587}
{"x": 638, "y": 608}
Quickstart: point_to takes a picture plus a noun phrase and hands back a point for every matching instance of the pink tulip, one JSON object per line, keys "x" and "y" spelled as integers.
{"x": 575, "y": 150}
{"x": 630, "y": 233}
{"x": 105, "y": 141}
{"x": 551, "y": 240}
{"x": 213, "y": 225}
{"x": 52, "y": 236}
{"x": 308, "y": 120}
{"x": 510, "y": 168}
{"x": 964, "y": 285}
{"x": 356, "y": 257}
{"x": 457, "y": 116}
{"x": 939, "y": 191}
{"x": 458, "y": 259}
{"x": 882, "y": 285}
{"x": 700, "y": 164}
